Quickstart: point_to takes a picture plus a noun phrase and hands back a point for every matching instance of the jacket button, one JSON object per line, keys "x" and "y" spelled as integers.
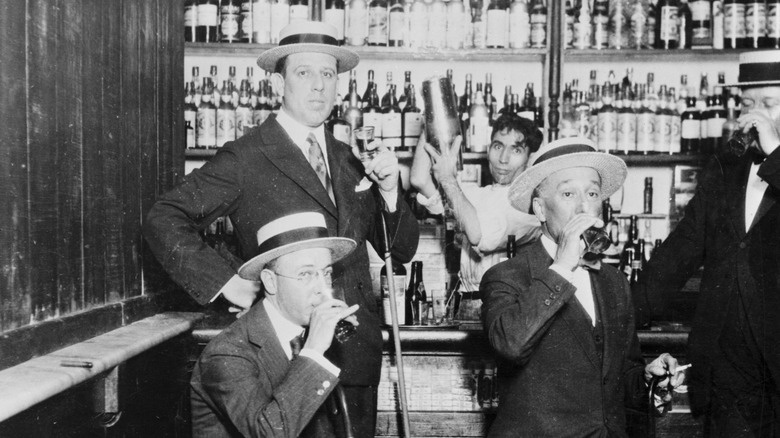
{"x": 326, "y": 384}
{"x": 320, "y": 392}
{"x": 742, "y": 245}
{"x": 557, "y": 288}
{"x": 547, "y": 302}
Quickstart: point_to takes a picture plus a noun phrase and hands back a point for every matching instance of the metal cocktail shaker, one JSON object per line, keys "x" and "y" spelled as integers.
{"x": 442, "y": 123}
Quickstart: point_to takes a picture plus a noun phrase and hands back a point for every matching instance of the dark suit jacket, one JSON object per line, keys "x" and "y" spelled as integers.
{"x": 712, "y": 234}
{"x": 560, "y": 376}
{"x": 259, "y": 178}
{"x": 243, "y": 385}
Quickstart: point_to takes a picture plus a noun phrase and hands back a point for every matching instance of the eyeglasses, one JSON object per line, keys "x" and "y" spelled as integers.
{"x": 308, "y": 276}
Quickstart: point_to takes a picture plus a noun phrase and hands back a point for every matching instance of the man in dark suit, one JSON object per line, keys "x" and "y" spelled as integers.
{"x": 291, "y": 164}
{"x": 258, "y": 377}
{"x": 569, "y": 358}
{"x": 731, "y": 227}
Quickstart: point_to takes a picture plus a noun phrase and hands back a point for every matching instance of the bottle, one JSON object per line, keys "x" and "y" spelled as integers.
{"x": 701, "y": 22}
{"x": 263, "y": 108}
{"x": 399, "y": 281}
{"x": 607, "y": 122}
{"x": 663, "y": 123}
{"x": 648, "y": 196}
{"x": 676, "y": 125}
{"x": 357, "y": 23}
{"x": 339, "y": 127}
{"x": 372, "y": 114}
{"x": 635, "y": 271}
{"x": 600, "y": 20}
{"x": 626, "y": 126}
{"x": 352, "y": 91}
{"x": 637, "y": 35}
{"x": 691, "y": 128}
{"x": 407, "y": 89}
{"x": 647, "y": 240}
{"x": 190, "y": 115}
{"x": 412, "y": 122}
{"x": 226, "y": 117}
{"x": 437, "y": 28}
{"x": 716, "y": 117}
{"x": 418, "y": 24}
{"x": 538, "y": 19}
{"x": 684, "y": 25}
{"x": 378, "y": 19}
{"x": 667, "y": 34}
{"x": 490, "y": 100}
{"x": 416, "y": 299}
{"x": 334, "y": 14}
{"x": 353, "y": 115}
{"x": 389, "y": 87}
{"x": 730, "y": 126}
{"x": 392, "y": 123}
{"x": 465, "y": 100}
{"x": 510, "y": 246}
{"x": 618, "y": 25}
{"x": 582, "y": 111}
{"x": 755, "y": 23}
{"x": 645, "y": 125}
{"x": 717, "y": 24}
{"x": 208, "y": 17}
{"x": 396, "y": 24}
{"x": 581, "y": 39}
{"x": 299, "y": 10}
{"x": 243, "y": 110}
{"x": 456, "y": 16}
{"x": 612, "y": 254}
{"x": 651, "y": 25}
{"x": 232, "y": 85}
{"x": 207, "y": 119}
{"x": 369, "y": 88}
{"x": 261, "y": 21}
{"x": 568, "y": 123}
{"x": 734, "y": 36}
{"x": 497, "y": 25}
{"x": 519, "y": 25}
{"x": 479, "y": 124}
{"x": 190, "y": 20}
{"x": 772, "y": 39}
{"x": 526, "y": 111}
{"x": 486, "y": 384}
{"x": 280, "y": 17}
{"x": 229, "y": 14}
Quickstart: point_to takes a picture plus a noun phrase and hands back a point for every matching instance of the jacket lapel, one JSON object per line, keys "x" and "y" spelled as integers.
{"x": 288, "y": 158}
{"x": 345, "y": 173}
{"x": 767, "y": 202}
{"x": 262, "y": 334}
{"x": 608, "y": 314}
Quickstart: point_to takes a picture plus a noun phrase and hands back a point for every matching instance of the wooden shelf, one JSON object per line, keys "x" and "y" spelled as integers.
{"x": 380, "y": 53}
{"x": 651, "y": 55}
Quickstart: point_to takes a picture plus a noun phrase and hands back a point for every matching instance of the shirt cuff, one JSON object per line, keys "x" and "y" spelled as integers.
{"x": 391, "y": 199}
{"x": 216, "y": 296}
{"x": 432, "y": 204}
{"x": 563, "y": 272}
{"x": 320, "y": 359}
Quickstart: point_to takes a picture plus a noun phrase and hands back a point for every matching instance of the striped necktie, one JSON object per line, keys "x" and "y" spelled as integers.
{"x": 296, "y": 344}
{"x": 317, "y": 161}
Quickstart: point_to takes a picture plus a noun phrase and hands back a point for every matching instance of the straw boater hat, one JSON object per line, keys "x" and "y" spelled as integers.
{"x": 564, "y": 154}
{"x": 293, "y": 233}
{"x": 760, "y": 68}
{"x": 308, "y": 36}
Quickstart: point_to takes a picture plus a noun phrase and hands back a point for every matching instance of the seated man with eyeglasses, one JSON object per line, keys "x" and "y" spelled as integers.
{"x": 260, "y": 377}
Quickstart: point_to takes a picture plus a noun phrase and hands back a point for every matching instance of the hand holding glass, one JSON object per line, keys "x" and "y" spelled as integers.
{"x": 740, "y": 141}
{"x": 364, "y": 136}
{"x": 596, "y": 240}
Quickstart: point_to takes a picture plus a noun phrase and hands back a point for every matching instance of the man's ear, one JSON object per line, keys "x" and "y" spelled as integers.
{"x": 277, "y": 80}
{"x": 269, "y": 281}
{"x": 538, "y": 208}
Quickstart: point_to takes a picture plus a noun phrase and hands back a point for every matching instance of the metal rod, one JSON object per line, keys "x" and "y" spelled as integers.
{"x": 396, "y": 332}
{"x": 344, "y": 412}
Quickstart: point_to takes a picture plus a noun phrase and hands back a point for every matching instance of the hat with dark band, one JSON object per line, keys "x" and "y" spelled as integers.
{"x": 293, "y": 233}
{"x": 308, "y": 36}
{"x": 758, "y": 68}
{"x": 564, "y": 154}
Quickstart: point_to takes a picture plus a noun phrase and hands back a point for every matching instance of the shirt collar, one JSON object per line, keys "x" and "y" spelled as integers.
{"x": 298, "y": 132}
{"x": 549, "y": 246}
{"x": 285, "y": 329}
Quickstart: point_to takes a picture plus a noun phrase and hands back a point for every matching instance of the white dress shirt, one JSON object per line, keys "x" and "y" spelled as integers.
{"x": 580, "y": 278}
{"x": 754, "y": 194}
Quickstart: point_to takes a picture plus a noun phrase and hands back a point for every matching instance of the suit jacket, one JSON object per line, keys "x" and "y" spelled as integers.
{"x": 559, "y": 375}
{"x": 244, "y": 385}
{"x": 737, "y": 265}
{"x": 259, "y": 178}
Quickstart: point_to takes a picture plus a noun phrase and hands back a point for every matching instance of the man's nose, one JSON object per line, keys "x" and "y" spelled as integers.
{"x": 318, "y": 83}
{"x": 504, "y": 157}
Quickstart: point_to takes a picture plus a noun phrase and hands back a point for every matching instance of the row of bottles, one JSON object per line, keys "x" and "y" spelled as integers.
{"x": 672, "y": 24}
{"x": 628, "y": 117}
{"x": 413, "y": 305}
{"x": 453, "y": 24}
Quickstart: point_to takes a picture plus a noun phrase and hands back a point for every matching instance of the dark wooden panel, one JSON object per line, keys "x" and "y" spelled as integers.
{"x": 42, "y": 35}
{"x": 95, "y": 201}
{"x": 130, "y": 145}
{"x": 14, "y": 252}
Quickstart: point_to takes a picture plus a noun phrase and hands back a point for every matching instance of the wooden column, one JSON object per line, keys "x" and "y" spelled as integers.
{"x": 555, "y": 42}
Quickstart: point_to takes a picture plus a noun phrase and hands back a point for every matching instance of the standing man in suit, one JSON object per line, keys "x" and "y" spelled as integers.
{"x": 258, "y": 377}
{"x": 287, "y": 165}
{"x": 563, "y": 324}
{"x": 731, "y": 227}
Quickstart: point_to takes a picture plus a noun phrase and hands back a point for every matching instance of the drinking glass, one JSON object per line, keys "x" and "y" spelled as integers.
{"x": 364, "y": 136}
{"x": 344, "y": 329}
{"x": 596, "y": 240}
{"x": 740, "y": 141}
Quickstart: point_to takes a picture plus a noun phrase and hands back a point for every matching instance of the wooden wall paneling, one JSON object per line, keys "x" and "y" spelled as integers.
{"x": 95, "y": 201}
{"x": 130, "y": 144}
{"x": 175, "y": 54}
{"x": 14, "y": 232}
{"x": 69, "y": 159}
{"x": 111, "y": 157}
{"x": 42, "y": 150}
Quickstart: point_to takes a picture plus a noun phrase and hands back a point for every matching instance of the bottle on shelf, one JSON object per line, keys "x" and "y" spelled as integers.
{"x": 261, "y": 21}
{"x": 415, "y": 297}
{"x": 207, "y": 119}
{"x": 690, "y": 129}
{"x": 357, "y": 23}
{"x": 648, "y": 196}
{"x": 490, "y": 100}
{"x": 243, "y": 110}
{"x": 353, "y": 115}
{"x": 667, "y": 34}
{"x": 676, "y": 124}
{"x": 299, "y": 10}
{"x": 651, "y": 24}
{"x": 637, "y": 34}
{"x": 229, "y": 17}
{"x": 479, "y": 124}
{"x": 418, "y": 24}
{"x": 645, "y": 124}
{"x": 437, "y": 27}
{"x": 730, "y": 126}
{"x": 619, "y": 24}
{"x": 734, "y": 36}
{"x": 456, "y": 22}
{"x": 335, "y": 15}
{"x": 755, "y": 23}
{"x": 190, "y": 20}
{"x": 392, "y": 123}
{"x": 497, "y": 21}
{"x": 352, "y": 91}
{"x": 600, "y": 20}
{"x": 338, "y": 126}
{"x": 519, "y": 25}
{"x": 372, "y": 113}
{"x": 407, "y": 89}
{"x": 717, "y": 24}
{"x": 647, "y": 237}
{"x": 263, "y": 108}
{"x": 396, "y": 28}
{"x": 190, "y": 115}
{"x": 280, "y": 17}
{"x": 772, "y": 40}
{"x": 663, "y": 122}
{"x": 412, "y": 122}
{"x": 538, "y": 38}
{"x": 716, "y": 117}
{"x": 526, "y": 111}
{"x": 378, "y": 18}
{"x": 581, "y": 38}
{"x": 701, "y": 23}
{"x": 607, "y": 121}
{"x": 399, "y": 281}
{"x": 369, "y": 88}
{"x": 207, "y": 19}
{"x": 685, "y": 25}
{"x": 226, "y": 116}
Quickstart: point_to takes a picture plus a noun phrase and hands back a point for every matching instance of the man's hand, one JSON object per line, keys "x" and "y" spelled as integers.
{"x": 444, "y": 163}
{"x": 664, "y": 366}
{"x": 322, "y": 325}
{"x": 241, "y": 293}
{"x": 383, "y": 169}
{"x": 768, "y": 135}
{"x": 570, "y": 248}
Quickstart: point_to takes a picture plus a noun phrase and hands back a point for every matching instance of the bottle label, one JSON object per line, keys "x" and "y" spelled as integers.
{"x": 638, "y": 30}
{"x": 246, "y": 25}
{"x": 375, "y": 120}
{"x": 357, "y": 30}
{"x": 207, "y": 128}
{"x": 734, "y": 20}
{"x": 626, "y": 132}
{"x": 497, "y": 21}
{"x": 391, "y": 129}
{"x": 396, "y": 22}
{"x": 607, "y": 132}
{"x": 190, "y": 16}
{"x": 335, "y": 17}
{"x": 280, "y": 17}
{"x": 773, "y": 21}
{"x": 700, "y": 10}
{"x": 229, "y": 27}
{"x": 226, "y": 126}
{"x": 207, "y": 15}
{"x": 399, "y": 281}
{"x": 479, "y": 133}
{"x": 299, "y": 13}
{"x": 519, "y": 28}
{"x": 341, "y": 132}
{"x": 691, "y": 129}
{"x": 669, "y": 24}
{"x": 715, "y": 127}
{"x": 645, "y": 132}
{"x": 600, "y": 32}
{"x": 674, "y": 137}
{"x": 755, "y": 20}
{"x": 413, "y": 123}
{"x": 377, "y": 25}
{"x": 663, "y": 132}
{"x": 191, "y": 123}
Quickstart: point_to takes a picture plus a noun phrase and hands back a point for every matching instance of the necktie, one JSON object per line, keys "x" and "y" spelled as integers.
{"x": 591, "y": 263}
{"x": 317, "y": 161}
{"x": 296, "y": 344}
